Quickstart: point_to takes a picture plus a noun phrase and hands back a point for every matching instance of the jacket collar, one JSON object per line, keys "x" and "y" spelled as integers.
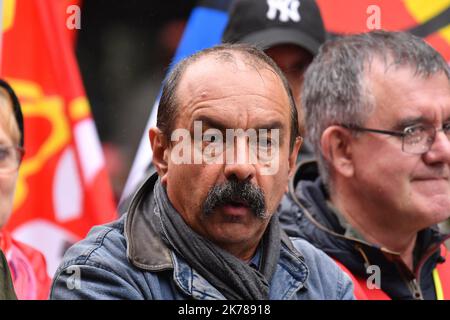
{"x": 308, "y": 191}
{"x": 147, "y": 251}
{"x": 145, "y": 248}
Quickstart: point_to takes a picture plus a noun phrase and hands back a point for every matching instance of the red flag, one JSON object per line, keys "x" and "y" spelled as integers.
{"x": 63, "y": 188}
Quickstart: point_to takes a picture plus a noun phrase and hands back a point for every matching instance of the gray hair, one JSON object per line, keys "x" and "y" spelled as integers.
{"x": 168, "y": 104}
{"x": 335, "y": 90}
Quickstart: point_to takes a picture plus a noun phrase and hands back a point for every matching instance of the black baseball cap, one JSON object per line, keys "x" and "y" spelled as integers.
{"x": 266, "y": 23}
{"x": 16, "y": 108}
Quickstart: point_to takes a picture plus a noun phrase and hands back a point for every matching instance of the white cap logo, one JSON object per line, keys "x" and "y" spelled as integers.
{"x": 288, "y": 10}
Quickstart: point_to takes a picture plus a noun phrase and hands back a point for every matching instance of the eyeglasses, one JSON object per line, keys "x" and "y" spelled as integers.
{"x": 416, "y": 139}
{"x": 10, "y": 158}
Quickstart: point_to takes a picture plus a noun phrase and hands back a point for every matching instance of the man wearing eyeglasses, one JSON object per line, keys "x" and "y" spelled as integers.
{"x": 378, "y": 113}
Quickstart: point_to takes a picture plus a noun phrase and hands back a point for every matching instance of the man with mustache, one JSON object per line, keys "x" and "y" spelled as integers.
{"x": 6, "y": 285}
{"x": 290, "y": 40}
{"x": 378, "y": 113}
{"x": 207, "y": 230}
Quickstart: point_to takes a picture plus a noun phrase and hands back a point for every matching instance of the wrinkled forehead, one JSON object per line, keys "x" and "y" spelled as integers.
{"x": 233, "y": 93}
{"x": 400, "y": 92}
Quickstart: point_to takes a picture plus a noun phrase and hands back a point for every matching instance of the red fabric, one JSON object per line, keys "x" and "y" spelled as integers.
{"x": 362, "y": 292}
{"x": 28, "y": 269}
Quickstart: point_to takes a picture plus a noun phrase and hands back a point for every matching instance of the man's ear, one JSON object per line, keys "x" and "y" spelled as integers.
{"x": 294, "y": 154}
{"x": 160, "y": 153}
{"x": 336, "y": 146}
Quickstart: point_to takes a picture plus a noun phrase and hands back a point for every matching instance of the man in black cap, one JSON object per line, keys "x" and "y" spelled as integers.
{"x": 289, "y": 31}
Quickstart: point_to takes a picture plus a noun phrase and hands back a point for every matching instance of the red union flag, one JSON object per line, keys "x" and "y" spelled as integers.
{"x": 63, "y": 189}
{"x": 427, "y": 19}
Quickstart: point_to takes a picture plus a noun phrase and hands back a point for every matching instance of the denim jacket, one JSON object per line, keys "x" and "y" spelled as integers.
{"x": 127, "y": 260}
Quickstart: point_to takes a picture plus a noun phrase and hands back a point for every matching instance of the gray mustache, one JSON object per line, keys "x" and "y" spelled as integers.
{"x": 236, "y": 192}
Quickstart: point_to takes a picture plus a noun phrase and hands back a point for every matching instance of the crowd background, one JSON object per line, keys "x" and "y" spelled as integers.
{"x": 129, "y": 46}
{"x": 104, "y": 76}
